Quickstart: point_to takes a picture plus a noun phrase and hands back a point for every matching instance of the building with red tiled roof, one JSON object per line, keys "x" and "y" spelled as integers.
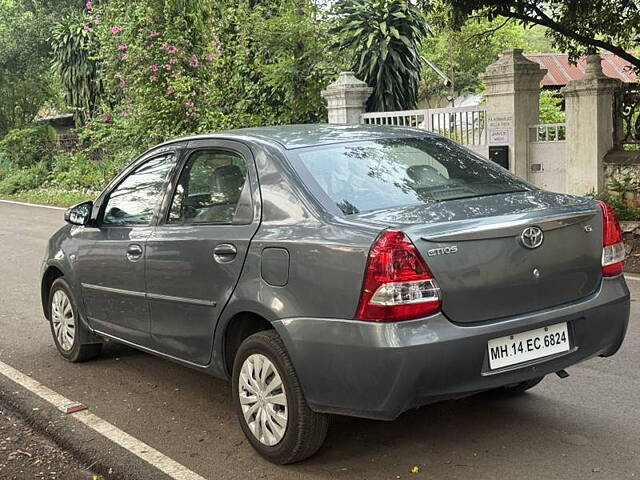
{"x": 560, "y": 71}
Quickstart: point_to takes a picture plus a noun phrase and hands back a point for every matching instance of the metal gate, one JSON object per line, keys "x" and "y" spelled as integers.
{"x": 546, "y": 156}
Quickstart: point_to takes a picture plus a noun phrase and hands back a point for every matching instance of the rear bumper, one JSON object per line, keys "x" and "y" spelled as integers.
{"x": 380, "y": 370}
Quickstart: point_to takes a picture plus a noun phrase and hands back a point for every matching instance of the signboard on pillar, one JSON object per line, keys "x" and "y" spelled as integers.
{"x": 500, "y": 133}
{"x": 500, "y": 137}
{"x": 500, "y": 126}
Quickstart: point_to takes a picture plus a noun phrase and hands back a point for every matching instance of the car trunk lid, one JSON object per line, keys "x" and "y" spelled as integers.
{"x": 474, "y": 248}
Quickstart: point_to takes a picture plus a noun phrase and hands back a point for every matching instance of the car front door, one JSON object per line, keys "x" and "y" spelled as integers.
{"x": 195, "y": 254}
{"x": 110, "y": 260}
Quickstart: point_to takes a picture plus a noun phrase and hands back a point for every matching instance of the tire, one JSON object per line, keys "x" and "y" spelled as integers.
{"x": 73, "y": 350}
{"x": 304, "y": 430}
{"x": 518, "y": 388}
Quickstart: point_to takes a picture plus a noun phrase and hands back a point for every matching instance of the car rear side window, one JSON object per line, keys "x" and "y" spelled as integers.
{"x": 209, "y": 189}
{"x": 387, "y": 173}
{"x": 138, "y": 196}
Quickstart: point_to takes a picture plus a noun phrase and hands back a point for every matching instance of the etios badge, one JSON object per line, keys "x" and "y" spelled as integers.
{"x": 532, "y": 237}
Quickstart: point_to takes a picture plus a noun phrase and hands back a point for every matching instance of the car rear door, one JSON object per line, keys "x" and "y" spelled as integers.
{"x": 110, "y": 259}
{"x": 195, "y": 254}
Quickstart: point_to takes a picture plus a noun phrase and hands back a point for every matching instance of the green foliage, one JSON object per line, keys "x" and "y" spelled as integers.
{"x": 623, "y": 211}
{"x": 156, "y": 58}
{"x": 624, "y": 184}
{"x": 138, "y": 73}
{"x": 449, "y": 50}
{"x": 66, "y": 172}
{"x": 384, "y": 37}
{"x": 24, "y": 147}
{"x": 76, "y": 172}
{"x": 290, "y": 40}
{"x": 23, "y": 179}
{"x": 464, "y": 52}
{"x": 577, "y": 27}
{"x": 550, "y": 109}
{"x": 179, "y": 67}
{"x": 26, "y": 81}
{"x": 24, "y": 76}
{"x": 75, "y": 65}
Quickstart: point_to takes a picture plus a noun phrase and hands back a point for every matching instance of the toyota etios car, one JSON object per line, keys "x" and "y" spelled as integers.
{"x": 354, "y": 270}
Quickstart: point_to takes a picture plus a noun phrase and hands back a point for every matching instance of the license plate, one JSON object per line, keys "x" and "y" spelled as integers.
{"x": 526, "y": 346}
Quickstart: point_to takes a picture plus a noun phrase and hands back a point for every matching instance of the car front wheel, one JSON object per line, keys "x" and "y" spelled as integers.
{"x": 271, "y": 407}
{"x": 66, "y": 327}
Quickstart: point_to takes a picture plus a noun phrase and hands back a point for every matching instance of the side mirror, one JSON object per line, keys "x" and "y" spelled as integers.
{"x": 79, "y": 214}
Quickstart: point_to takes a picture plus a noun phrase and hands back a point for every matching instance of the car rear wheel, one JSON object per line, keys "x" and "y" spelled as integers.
{"x": 517, "y": 388}
{"x": 271, "y": 407}
{"x": 66, "y": 327}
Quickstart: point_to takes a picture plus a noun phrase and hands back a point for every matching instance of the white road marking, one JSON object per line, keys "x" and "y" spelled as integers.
{"x": 160, "y": 461}
{"x": 631, "y": 277}
{"x": 32, "y": 204}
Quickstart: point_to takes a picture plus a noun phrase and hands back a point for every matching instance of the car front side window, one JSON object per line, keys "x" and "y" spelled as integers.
{"x": 209, "y": 188}
{"x": 135, "y": 199}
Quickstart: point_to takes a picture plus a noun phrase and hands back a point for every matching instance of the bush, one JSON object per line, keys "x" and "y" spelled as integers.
{"x": 71, "y": 172}
{"x": 24, "y": 179}
{"x": 74, "y": 171}
{"x": 24, "y": 147}
{"x": 623, "y": 211}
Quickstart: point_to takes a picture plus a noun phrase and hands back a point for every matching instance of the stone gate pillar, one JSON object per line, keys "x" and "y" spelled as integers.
{"x": 589, "y": 118}
{"x": 346, "y": 98}
{"x": 512, "y": 90}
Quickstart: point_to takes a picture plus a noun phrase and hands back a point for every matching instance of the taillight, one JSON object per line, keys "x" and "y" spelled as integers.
{"x": 612, "y": 245}
{"x": 397, "y": 282}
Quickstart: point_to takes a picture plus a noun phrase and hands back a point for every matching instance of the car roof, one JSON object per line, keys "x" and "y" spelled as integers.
{"x": 299, "y": 136}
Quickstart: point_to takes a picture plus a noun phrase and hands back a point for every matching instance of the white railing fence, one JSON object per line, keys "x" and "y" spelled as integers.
{"x": 466, "y": 125}
{"x": 548, "y": 132}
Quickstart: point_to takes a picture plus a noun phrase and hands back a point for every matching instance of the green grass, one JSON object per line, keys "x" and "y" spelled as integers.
{"x": 58, "y": 198}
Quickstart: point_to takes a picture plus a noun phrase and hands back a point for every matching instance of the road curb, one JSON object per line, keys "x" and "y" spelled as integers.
{"x": 98, "y": 453}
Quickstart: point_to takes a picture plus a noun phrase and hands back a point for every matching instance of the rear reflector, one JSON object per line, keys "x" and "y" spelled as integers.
{"x": 397, "y": 282}
{"x": 612, "y": 246}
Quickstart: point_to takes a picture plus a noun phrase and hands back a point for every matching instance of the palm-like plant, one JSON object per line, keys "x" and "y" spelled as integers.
{"x": 75, "y": 64}
{"x": 385, "y": 38}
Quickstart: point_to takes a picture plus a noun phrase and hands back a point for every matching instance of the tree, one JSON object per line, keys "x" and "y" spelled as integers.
{"x": 447, "y": 48}
{"x": 578, "y": 27}
{"x": 26, "y": 82}
{"x": 24, "y": 69}
{"x": 290, "y": 40}
{"x": 384, "y": 38}
{"x": 274, "y": 61}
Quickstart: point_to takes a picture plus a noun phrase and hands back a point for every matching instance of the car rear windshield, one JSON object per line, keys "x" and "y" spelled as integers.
{"x": 388, "y": 173}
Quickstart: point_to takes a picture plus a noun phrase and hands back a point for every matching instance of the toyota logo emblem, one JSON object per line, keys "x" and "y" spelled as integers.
{"x": 532, "y": 237}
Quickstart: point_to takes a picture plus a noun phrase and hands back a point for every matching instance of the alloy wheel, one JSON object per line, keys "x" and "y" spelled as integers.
{"x": 63, "y": 320}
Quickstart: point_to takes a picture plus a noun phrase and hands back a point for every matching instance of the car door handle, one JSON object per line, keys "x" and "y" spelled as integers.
{"x": 134, "y": 252}
{"x": 225, "y": 252}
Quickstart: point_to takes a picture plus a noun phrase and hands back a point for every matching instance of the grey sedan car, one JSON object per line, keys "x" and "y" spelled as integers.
{"x": 354, "y": 270}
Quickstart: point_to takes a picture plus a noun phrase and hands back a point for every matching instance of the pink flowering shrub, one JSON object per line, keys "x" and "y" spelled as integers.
{"x": 161, "y": 71}
{"x": 172, "y": 67}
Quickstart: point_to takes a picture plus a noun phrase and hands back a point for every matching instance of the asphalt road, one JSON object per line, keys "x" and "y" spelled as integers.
{"x": 585, "y": 426}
